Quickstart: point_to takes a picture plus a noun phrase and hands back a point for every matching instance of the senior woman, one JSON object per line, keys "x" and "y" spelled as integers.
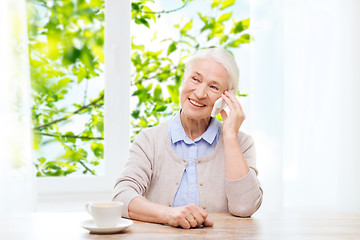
{"x": 192, "y": 164}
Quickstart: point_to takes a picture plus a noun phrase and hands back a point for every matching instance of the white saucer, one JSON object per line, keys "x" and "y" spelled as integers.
{"x": 121, "y": 226}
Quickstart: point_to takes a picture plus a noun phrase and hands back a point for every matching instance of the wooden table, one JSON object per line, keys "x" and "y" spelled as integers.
{"x": 66, "y": 226}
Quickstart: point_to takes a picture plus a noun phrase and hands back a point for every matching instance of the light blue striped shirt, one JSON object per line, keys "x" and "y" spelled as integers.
{"x": 188, "y": 191}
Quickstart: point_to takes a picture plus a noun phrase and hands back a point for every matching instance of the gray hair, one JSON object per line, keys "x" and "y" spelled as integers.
{"x": 221, "y": 56}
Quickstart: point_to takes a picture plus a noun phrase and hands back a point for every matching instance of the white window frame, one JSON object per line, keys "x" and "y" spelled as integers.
{"x": 117, "y": 113}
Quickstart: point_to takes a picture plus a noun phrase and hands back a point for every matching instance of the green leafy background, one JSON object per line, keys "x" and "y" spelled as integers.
{"x": 66, "y": 49}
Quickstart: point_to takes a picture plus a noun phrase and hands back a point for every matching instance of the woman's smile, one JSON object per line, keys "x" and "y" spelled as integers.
{"x": 196, "y": 103}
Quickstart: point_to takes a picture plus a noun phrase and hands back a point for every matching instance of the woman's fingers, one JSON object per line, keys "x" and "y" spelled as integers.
{"x": 230, "y": 95}
{"x": 208, "y": 223}
{"x": 234, "y": 119}
{"x": 233, "y": 99}
{"x": 192, "y": 221}
{"x": 198, "y": 214}
{"x": 176, "y": 217}
{"x": 227, "y": 100}
{"x": 189, "y": 216}
{"x": 199, "y": 218}
{"x": 232, "y": 102}
{"x": 223, "y": 115}
{"x": 184, "y": 223}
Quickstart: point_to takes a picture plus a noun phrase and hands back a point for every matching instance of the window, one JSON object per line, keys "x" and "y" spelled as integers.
{"x": 117, "y": 65}
{"x": 156, "y": 72}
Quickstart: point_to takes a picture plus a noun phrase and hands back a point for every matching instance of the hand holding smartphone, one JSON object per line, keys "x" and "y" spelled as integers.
{"x": 219, "y": 105}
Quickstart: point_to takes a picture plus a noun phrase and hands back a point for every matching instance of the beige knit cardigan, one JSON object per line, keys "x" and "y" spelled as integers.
{"x": 154, "y": 171}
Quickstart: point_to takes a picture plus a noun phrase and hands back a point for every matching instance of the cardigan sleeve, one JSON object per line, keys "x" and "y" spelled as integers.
{"x": 245, "y": 194}
{"x": 135, "y": 179}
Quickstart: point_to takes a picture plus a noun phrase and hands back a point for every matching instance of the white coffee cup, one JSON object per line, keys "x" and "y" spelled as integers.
{"x": 105, "y": 214}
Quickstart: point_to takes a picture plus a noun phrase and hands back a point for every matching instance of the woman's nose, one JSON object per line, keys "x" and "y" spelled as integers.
{"x": 201, "y": 91}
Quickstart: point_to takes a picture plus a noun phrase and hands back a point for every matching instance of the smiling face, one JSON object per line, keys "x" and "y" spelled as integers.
{"x": 203, "y": 84}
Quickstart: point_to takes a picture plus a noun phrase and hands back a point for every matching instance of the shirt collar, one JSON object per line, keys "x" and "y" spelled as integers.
{"x": 177, "y": 131}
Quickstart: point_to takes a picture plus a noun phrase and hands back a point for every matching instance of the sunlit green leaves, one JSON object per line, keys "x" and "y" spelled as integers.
{"x": 74, "y": 155}
{"x": 174, "y": 93}
{"x": 37, "y": 138}
{"x": 136, "y": 47}
{"x": 222, "y": 4}
{"x": 98, "y": 149}
{"x": 71, "y": 54}
{"x": 135, "y": 113}
{"x": 215, "y": 3}
{"x": 226, "y": 3}
{"x": 70, "y": 139}
{"x": 66, "y": 41}
{"x": 224, "y": 17}
{"x": 240, "y": 26}
{"x": 55, "y": 168}
{"x": 245, "y": 38}
{"x": 160, "y": 108}
{"x": 142, "y": 93}
{"x": 157, "y": 93}
{"x": 87, "y": 59}
{"x": 142, "y": 14}
{"x": 62, "y": 83}
{"x": 171, "y": 48}
{"x": 186, "y": 28}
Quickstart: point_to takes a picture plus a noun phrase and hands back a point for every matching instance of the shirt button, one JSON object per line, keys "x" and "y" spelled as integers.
{"x": 201, "y": 184}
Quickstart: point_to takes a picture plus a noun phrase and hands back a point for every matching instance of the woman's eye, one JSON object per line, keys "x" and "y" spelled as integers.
{"x": 195, "y": 79}
{"x": 214, "y": 87}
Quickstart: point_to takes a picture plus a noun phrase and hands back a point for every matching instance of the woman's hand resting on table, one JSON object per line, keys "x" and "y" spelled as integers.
{"x": 189, "y": 216}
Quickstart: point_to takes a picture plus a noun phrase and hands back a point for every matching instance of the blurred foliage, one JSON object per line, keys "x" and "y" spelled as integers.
{"x": 66, "y": 40}
{"x": 66, "y": 45}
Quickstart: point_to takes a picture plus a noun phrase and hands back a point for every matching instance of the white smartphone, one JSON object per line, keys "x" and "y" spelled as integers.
{"x": 219, "y": 105}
